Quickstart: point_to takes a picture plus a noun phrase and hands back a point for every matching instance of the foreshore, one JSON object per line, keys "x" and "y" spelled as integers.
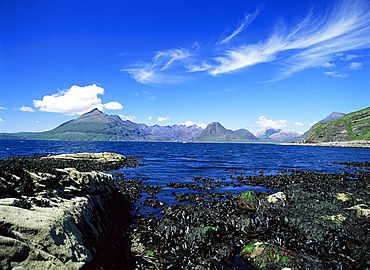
{"x": 356, "y": 144}
{"x": 57, "y": 212}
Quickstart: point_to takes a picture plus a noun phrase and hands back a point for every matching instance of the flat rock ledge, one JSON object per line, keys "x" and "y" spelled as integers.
{"x": 65, "y": 219}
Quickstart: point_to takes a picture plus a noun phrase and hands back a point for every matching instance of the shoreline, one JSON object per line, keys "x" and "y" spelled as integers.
{"x": 94, "y": 219}
{"x": 354, "y": 144}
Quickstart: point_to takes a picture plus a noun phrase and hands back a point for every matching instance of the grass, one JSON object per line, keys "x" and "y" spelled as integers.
{"x": 353, "y": 126}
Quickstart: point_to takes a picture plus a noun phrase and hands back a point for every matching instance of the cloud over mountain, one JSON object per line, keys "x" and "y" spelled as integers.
{"x": 75, "y": 100}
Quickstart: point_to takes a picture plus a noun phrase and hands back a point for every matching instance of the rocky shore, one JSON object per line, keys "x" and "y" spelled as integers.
{"x": 308, "y": 220}
{"x": 57, "y": 212}
{"x": 67, "y": 212}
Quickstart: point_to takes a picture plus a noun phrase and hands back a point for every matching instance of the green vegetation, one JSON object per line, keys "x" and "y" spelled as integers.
{"x": 92, "y": 126}
{"x": 247, "y": 194}
{"x": 248, "y": 248}
{"x": 353, "y": 126}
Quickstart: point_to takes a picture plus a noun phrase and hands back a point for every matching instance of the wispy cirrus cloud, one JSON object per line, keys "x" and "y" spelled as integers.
{"x": 248, "y": 19}
{"x": 159, "y": 70}
{"x": 319, "y": 39}
{"x": 336, "y": 74}
{"x": 311, "y": 43}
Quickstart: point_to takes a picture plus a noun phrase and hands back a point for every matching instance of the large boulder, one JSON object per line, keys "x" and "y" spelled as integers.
{"x": 67, "y": 220}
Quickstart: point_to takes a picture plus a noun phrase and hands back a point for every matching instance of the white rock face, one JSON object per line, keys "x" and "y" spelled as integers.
{"x": 44, "y": 237}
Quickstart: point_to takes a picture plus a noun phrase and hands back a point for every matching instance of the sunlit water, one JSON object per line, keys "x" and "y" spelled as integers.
{"x": 181, "y": 162}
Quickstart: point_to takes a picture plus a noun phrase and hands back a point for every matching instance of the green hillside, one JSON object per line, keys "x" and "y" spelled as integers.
{"x": 353, "y": 126}
{"x": 94, "y": 125}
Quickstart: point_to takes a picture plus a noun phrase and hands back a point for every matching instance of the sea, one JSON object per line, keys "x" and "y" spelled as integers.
{"x": 167, "y": 162}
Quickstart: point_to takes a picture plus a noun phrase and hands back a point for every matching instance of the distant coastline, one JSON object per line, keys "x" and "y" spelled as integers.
{"x": 357, "y": 144}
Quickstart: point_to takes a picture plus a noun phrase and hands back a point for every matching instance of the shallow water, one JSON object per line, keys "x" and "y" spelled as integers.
{"x": 181, "y": 162}
{"x": 170, "y": 162}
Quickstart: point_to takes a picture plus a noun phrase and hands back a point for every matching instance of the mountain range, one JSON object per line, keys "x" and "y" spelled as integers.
{"x": 96, "y": 125}
{"x": 277, "y": 135}
{"x": 215, "y": 132}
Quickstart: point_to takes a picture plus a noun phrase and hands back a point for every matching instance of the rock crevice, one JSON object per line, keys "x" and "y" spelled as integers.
{"x": 65, "y": 218}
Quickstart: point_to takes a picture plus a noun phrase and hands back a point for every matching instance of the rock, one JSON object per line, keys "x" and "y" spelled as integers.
{"x": 270, "y": 256}
{"x": 48, "y": 233}
{"x": 362, "y": 210}
{"x": 69, "y": 219}
{"x": 97, "y": 157}
{"x": 273, "y": 198}
{"x": 344, "y": 196}
{"x": 248, "y": 200}
{"x": 338, "y": 219}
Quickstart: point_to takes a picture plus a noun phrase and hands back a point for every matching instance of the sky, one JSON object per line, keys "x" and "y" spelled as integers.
{"x": 246, "y": 64}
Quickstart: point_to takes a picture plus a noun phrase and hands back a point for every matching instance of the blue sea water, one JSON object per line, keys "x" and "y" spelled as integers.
{"x": 181, "y": 162}
{"x": 167, "y": 161}
{"x": 173, "y": 162}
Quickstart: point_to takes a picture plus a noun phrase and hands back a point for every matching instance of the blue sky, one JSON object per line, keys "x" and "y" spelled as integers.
{"x": 246, "y": 64}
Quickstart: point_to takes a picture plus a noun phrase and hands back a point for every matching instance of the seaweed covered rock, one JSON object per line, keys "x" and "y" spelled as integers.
{"x": 270, "y": 256}
{"x": 303, "y": 220}
{"x": 66, "y": 218}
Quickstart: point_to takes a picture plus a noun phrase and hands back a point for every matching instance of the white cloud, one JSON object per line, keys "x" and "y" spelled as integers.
{"x": 170, "y": 56}
{"x": 127, "y": 117}
{"x": 2, "y": 120}
{"x": 26, "y": 109}
{"x": 336, "y": 74}
{"x": 298, "y": 124}
{"x": 161, "y": 119}
{"x": 349, "y": 57}
{"x": 113, "y": 105}
{"x": 159, "y": 71}
{"x": 2, "y": 108}
{"x": 355, "y": 66}
{"x": 316, "y": 40}
{"x": 266, "y": 123}
{"x": 150, "y": 117}
{"x": 328, "y": 65}
{"x": 197, "y": 68}
{"x": 248, "y": 19}
{"x": 75, "y": 100}
{"x": 37, "y": 122}
{"x": 311, "y": 43}
{"x": 191, "y": 123}
{"x": 313, "y": 123}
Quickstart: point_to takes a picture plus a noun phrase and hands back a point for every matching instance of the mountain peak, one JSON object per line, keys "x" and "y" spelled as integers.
{"x": 333, "y": 116}
{"x": 215, "y": 127}
{"x": 93, "y": 111}
{"x": 94, "y": 116}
